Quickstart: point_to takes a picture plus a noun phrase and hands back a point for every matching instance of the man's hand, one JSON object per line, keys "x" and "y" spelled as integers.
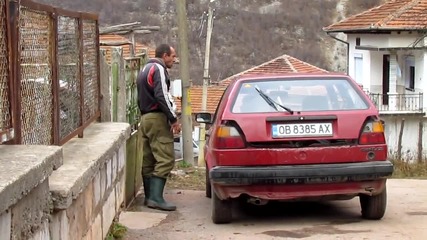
{"x": 176, "y": 128}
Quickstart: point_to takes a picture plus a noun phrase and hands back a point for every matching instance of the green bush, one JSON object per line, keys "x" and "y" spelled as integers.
{"x": 117, "y": 231}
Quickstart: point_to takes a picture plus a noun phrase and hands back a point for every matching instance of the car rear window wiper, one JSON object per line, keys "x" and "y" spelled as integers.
{"x": 271, "y": 102}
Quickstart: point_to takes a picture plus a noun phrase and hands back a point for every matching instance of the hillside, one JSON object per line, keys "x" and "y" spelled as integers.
{"x": 246, "y": 33}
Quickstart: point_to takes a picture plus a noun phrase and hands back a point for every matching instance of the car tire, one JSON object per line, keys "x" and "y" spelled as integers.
{"x": 208, "y": 187}
{"x": 373, "y": 207}
{"x": 221, "y": 209}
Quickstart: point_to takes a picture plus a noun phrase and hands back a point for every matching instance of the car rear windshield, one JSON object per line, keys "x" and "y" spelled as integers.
{"x": 298, "y": 95}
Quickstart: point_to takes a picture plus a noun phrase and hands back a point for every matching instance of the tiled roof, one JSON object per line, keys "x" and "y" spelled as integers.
{"x": 196, "y": 92}
{"x": 126, "y": 48}
{"x": 393, "y": 15}
{"x": 279, "y": 65}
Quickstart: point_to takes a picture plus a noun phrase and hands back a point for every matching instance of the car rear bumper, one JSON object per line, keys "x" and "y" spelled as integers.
{"x": 300, "y": 174}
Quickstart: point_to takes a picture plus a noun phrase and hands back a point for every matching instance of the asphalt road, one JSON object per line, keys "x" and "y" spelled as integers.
{"x": 406, "y": 218}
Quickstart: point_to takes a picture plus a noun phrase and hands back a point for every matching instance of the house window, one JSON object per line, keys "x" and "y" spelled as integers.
{"x": 410, "y": 73}
{"x": 358, "y": 41}
{"x": 358, "y": 68}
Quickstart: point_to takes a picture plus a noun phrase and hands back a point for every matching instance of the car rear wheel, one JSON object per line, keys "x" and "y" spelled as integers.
{"x": 208, "y": 184}
{"x": 221, "y": 209}
{"x": 373, "y": 207}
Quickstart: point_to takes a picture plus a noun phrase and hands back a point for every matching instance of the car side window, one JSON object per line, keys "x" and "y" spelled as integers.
{"x": 215, "y": 115}
{"x": 219, "y": 102}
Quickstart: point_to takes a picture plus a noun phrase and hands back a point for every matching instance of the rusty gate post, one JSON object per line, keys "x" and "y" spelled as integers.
{"x": 16, "y": 70}
{"x": 54, "y": 77}
{"x": 81, "y": 75}
{"x": 98, "y": 70}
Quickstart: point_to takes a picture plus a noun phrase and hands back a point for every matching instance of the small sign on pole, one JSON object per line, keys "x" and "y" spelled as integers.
{"x": 176, "y": 90}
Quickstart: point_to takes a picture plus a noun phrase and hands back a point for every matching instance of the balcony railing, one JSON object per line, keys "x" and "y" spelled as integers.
{"x": 410, "y": 103}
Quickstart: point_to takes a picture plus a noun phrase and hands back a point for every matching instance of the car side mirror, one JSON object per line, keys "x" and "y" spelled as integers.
{"x": 203, "y": 117}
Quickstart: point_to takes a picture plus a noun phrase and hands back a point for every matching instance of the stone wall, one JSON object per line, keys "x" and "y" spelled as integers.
{"x": 25, "y": 203}
{"x": 42, "y": 199}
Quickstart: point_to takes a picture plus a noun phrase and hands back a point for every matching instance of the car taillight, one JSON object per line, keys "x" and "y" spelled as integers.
{"x": 372, "y": 133}
{"x": 228, "y": 137}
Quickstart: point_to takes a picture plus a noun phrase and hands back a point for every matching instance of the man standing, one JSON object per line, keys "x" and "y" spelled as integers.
{"x": 158, "y": 123}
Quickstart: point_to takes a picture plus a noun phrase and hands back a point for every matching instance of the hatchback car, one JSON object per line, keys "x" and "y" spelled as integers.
{"x": 295, "y": 137}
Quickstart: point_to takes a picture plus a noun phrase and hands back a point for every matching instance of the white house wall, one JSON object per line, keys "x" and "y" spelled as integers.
{"x": 366, "y": 62}
{"x": 403, "y": 39}
{"x": 419, "y": 62}
{"x": 395, "y": 40}
{"x": 423, "y": 73}
{"x": 372, "y": 63}
{"x": 373, "y": 60}
{"x": 375, "y": 70}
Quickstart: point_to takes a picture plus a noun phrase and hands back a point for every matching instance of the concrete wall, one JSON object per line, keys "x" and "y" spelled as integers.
{"x": 42, "y": 199}
{"x": 24, "y": 190}
{"x": 88, "y": 190}
{"x": 406, "y": 137}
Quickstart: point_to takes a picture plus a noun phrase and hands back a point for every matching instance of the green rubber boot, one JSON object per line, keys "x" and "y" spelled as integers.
{"x": 156, "y": 200}
{"x": 146, "y": 182}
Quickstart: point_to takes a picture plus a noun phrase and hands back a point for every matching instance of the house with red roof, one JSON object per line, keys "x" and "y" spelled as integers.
{"x": 387, "y": 54}
{"x": 280, "y": 65}
{"x": 107, "y": 40}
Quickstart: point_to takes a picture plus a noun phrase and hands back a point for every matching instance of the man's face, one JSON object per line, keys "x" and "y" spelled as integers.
{"x": 169, "y": 59}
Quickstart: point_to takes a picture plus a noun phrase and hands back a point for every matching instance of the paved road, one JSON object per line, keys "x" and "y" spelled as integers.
{"x": 406, "y": 218}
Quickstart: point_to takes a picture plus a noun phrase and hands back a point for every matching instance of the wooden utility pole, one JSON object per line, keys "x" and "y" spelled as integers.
{"x": 206, "y": 81}
{"x": 187, "y": 128}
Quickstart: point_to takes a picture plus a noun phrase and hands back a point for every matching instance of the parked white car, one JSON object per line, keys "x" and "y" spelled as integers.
{"x": 178, "y": 147}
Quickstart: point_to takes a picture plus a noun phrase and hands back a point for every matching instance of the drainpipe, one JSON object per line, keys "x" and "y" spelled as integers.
{"x": 348, "y": 49}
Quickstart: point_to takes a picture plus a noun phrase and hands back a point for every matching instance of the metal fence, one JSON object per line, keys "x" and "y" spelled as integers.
{"x": 398, "y": 102}
{"x": 133, "y": 65}
{"x": 53, "y": 81}
{"x": 5, "y": 106}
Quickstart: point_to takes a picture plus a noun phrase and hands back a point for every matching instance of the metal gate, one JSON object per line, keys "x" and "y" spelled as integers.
{"x": 132, "y": 67}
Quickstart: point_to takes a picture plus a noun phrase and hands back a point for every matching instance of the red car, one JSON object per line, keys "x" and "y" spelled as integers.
{"x": 295, "y": 137}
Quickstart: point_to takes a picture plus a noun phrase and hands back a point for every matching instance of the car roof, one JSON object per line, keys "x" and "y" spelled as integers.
{"x": 255, "y": 77}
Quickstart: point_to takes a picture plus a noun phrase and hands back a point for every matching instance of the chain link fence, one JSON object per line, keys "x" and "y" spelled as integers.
{"x": 55, "y": 81}
{"x": 68, "y": 75}
{"x": 90, "y": 69}
{"x": 36, "y": 44}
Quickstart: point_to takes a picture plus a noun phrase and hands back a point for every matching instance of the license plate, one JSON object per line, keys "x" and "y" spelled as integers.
{"x": 302, "y": 130}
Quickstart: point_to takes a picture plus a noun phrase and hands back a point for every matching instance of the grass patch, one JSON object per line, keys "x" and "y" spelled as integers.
{"x": 183, "y": 165}
{"x": 117, "y": 231}
{"x": 186, "y": 177}
{"x": 403, "y": 169}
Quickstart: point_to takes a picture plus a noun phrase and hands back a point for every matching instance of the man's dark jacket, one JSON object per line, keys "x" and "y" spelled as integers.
{"x": 153, "y": 86}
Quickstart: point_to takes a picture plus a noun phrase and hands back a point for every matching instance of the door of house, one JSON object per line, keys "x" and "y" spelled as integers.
{"x": 386, "y": 78}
